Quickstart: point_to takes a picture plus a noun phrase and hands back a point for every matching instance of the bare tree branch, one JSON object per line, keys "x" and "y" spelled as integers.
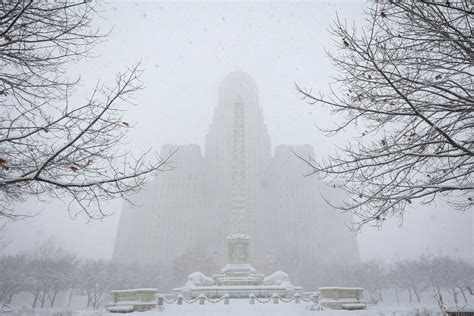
{"x": 407, "y": 87}
{"x": 49, "y": 147}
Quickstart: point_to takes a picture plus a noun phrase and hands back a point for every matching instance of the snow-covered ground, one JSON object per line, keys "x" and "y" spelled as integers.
{"x": 239, "y": 308}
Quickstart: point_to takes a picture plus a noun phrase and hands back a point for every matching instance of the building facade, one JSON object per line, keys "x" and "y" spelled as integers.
{"x": 183, "y": 216}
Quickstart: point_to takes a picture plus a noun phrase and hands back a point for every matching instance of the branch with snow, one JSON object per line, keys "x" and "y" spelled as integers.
{"x": 406, "y": 91}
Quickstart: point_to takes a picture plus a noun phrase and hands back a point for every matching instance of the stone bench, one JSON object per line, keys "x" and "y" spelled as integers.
{"x": 133, "y": 300}
{"x": 349, "y": 298}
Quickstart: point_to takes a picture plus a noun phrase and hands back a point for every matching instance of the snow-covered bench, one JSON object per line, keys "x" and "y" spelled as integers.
{"x": 133, "y": 300}
{"x": 354, "y": 306}
{"x": 349, "y": 298}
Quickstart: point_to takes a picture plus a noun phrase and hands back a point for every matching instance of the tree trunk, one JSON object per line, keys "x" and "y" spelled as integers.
{"x": 396, "y": 294}
{"x": 53, "y": 298}
{"x": 439, "y": 299}
{"x": 418, "y": 298}
{"x": 10, "y": 297}
{"x": 455, "y": 296}
{"x": 96, "y": 300}
{"x": 70, "y": 298}
{"x": 3, "y": 295}
{"x": 463, "y": 294}
{"x": 36, "y": 299}
{"x": 43, "y": 298}
{"x": 409, "y": 294}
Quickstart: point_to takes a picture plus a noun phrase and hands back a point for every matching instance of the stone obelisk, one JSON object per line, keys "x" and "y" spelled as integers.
{"x": 238, "y": 240}
{"x": 239, "y": 225}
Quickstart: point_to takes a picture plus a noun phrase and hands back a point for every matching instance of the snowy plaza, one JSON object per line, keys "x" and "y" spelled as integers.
{"x": 236, "y": 158}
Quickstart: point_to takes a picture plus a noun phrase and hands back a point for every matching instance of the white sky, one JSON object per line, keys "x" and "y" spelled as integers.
{"x": 186, "y": 49}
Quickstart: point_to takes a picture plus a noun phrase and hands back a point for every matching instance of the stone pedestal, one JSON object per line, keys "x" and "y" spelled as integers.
{"x": 238, "y": 248}
{"x": 238, "y": 271}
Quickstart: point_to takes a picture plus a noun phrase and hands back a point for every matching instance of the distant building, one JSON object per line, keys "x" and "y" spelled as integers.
{"x": 183, "y": 218}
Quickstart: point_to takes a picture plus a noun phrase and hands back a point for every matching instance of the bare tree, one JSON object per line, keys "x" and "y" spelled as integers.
{"x": 50, "y": 268}
{"x": 455, "y": 275}
{"x": 405, "y": 85}
{"x": 13, "y": 278}
{"x": 94, "y": 280}
{"x": 373, "y": 276}
{"x": 413, "y": 276}
{"x": 49, "y": 147}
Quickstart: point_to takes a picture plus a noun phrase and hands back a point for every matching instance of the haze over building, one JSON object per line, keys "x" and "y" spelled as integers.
{"x": 183, "y": 218}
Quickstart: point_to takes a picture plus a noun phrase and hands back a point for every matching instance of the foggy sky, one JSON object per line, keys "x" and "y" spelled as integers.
{"x": 186, "y": 49}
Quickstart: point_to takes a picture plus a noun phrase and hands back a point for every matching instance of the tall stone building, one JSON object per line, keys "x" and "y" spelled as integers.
{"x": 183, "y": 216}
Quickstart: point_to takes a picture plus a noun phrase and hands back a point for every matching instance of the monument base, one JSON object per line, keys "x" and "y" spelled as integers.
{"x": 260, "y": 291}
{"x": 238, "y": 278}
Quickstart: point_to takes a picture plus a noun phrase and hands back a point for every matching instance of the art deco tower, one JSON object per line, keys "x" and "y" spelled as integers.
{"x": 183, "y": 219}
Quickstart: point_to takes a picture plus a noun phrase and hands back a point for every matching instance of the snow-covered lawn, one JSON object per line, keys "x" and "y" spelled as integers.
{"x": 239, "y": 308}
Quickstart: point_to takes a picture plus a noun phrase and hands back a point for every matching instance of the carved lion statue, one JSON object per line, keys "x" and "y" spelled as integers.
{"x": 277, "y": 278}
{"x": 199, "y": 279}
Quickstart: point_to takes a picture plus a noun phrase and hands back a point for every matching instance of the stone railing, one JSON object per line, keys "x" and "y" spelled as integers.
{"x": 202, "y": 299}
{"x": 146, "y": 299}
